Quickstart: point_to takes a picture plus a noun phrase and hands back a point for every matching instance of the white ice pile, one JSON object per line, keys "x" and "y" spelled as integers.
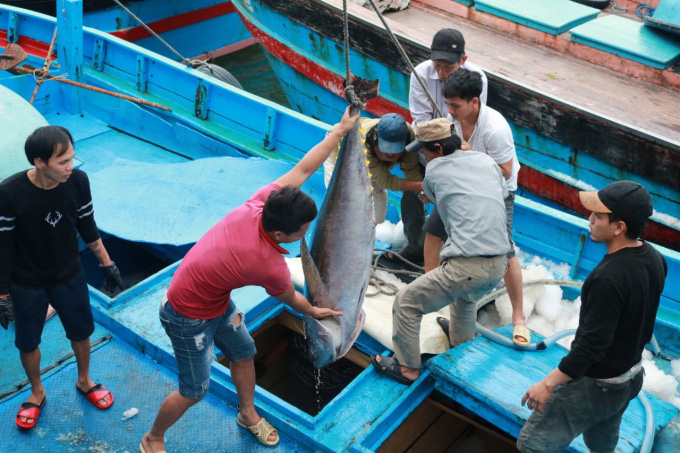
{"x": 660, "y": 384}
{"x": 391, "y": 234}
{"x": 548, "y": 313}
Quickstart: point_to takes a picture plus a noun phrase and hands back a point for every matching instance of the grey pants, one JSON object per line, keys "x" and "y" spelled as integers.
{"x": 459, "y": 281}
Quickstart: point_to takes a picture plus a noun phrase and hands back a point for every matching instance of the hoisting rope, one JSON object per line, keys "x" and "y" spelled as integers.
{"x": 191, "y": 63}
{"x": 380, "y": 284}
{"x": 350, "y": 95}
{"x": 406, "y": 58}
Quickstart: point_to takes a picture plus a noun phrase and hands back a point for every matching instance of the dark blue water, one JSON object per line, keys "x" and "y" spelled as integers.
{"x": 252, "y": 70}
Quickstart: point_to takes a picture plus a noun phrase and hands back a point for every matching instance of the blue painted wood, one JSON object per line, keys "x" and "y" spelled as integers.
{"x": 668, "y": 11}
{"x": 549, "y": 16}
{"x": 629, "y": 39}
{"x": 70, "y": 47}
{"x": 491, "y": 379}
{"x": 392, "y": 418}
{"x": 193, "y": 40}
{"x": 578, "y": 168}
{"x": 666, "y": 17}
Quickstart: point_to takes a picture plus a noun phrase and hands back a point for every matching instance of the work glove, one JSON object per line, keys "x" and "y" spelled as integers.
{"x": 6, "y": 311}
{"x": 112, "y": 278}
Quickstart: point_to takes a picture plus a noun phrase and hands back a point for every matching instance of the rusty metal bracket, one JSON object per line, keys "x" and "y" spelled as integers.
{"x": 201, "y": 100}
{"x": 99, "y": 54}
{"x": 269, "y": 139}
{"x": 142, "y": 74}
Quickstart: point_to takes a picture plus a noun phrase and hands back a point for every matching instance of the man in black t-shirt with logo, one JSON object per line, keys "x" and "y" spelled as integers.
{"x": 591, "y": 387}
{"x": 40, "y": 211}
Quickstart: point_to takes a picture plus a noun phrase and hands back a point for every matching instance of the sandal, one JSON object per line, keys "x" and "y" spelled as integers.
{"x": 29, "y": 410}
{"x": 389, "y": 366}
{"x": 142, "y": 450}
{"x": 96, "y": 393}
{"x": 521, "y": 331}
{"x": 261, "y": 431}
{"x": 444, "y": 324}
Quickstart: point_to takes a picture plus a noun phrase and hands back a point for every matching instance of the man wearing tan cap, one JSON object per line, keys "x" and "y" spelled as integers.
{"x": 469, "y": 190}
{"x": 591, "y": 387}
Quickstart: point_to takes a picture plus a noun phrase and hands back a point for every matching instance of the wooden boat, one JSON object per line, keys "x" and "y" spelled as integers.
{"x": 211, "y": 123}
{"x": 196, "y": 29}
{"x": 581, "y": 116}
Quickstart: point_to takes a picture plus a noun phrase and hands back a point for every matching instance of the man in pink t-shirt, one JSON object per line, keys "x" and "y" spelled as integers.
{"x": 242, "y": 249}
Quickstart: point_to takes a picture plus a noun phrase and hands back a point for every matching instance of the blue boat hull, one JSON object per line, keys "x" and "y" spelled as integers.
{"x": 211, "y": 119}
{"x": 304, "y": 45}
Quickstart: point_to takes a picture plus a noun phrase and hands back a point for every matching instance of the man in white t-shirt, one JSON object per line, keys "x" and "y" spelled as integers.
{"x": 485, "y": 130}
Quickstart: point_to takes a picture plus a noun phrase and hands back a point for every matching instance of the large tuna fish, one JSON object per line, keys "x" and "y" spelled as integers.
{"x": 338, "y": 268}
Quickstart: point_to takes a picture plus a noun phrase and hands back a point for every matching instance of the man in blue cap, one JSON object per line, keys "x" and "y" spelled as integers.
{"x": 385, "y": 140}
{"x": 591, "y": 387}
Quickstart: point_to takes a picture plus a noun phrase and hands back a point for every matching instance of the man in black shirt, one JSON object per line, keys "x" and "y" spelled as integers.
{"x": 40, "y": 210}
{"x": 591, "y": 387}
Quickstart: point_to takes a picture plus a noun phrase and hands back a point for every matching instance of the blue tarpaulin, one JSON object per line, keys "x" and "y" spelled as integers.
{"x": 177, "y": 203}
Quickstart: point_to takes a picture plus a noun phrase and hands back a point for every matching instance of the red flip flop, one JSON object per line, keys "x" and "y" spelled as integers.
{"x": 29, "y": 410}
{"x": 96, "y": 393}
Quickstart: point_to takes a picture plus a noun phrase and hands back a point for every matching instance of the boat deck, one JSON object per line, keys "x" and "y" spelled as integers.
{"x": 69, "y": 423}
{"x": 137, "y": 363}
{"x": 494, "y": 389}
{"x": 652, "y": 110}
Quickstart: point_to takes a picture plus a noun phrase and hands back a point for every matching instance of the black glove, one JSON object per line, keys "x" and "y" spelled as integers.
{"x": 112, "y": 278}
{"x": 6, "y": 311}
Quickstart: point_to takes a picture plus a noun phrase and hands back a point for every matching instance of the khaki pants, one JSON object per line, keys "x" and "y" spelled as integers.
{"x": 463, "y": 280}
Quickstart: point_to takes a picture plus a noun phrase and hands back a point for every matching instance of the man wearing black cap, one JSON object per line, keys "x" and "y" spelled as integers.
{"x": 447, "y": 55}
{"x": 591, "y": 387}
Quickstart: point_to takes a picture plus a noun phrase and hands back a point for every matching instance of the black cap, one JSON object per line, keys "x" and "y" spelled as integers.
{"x": 448, "y": 44}
{"x": 628, "y": 200}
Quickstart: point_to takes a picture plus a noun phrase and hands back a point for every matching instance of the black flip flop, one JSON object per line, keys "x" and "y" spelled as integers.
{"x": 392, "y": 368}
{"x": 444, "y": 324}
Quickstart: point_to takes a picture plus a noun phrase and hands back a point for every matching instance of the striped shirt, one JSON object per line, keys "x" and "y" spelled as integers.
{"x": 38, "y": 230}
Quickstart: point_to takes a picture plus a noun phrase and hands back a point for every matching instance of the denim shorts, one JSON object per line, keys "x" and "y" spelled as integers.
{"x": 193, "y": 339}
{"x": 71, "y": 301}
{"x": 585, "y": 405}
{"x": 434, "y": 224}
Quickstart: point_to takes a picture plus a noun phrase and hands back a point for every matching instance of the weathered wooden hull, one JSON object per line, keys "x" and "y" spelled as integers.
{"x": 303, "y": 39}
{"x": 194, "y": 28}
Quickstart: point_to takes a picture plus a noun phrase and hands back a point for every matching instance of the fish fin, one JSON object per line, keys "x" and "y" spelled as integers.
{"x": 316, "y": 287}
{"x": 340, "y": 353}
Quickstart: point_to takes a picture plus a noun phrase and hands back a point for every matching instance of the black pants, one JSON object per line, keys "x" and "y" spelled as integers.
{"x": 413, "y": 217}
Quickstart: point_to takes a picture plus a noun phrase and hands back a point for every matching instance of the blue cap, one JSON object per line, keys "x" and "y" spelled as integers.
{"x": 392, "y": 134}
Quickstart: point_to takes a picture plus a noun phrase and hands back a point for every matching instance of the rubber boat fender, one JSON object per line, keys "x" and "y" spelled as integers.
{"x": 216, "y": 71}
{"x": 599, "y": 4}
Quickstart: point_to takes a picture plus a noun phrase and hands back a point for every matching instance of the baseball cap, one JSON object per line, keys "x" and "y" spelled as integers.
{"x": 392, "y": 134}
{"x": 628, "y": 200}
{"x": 448, "y": 44}
{"x": 428, "y": 131}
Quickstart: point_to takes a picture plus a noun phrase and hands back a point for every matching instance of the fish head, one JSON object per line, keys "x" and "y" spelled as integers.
{"x": 323, "y": 336}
